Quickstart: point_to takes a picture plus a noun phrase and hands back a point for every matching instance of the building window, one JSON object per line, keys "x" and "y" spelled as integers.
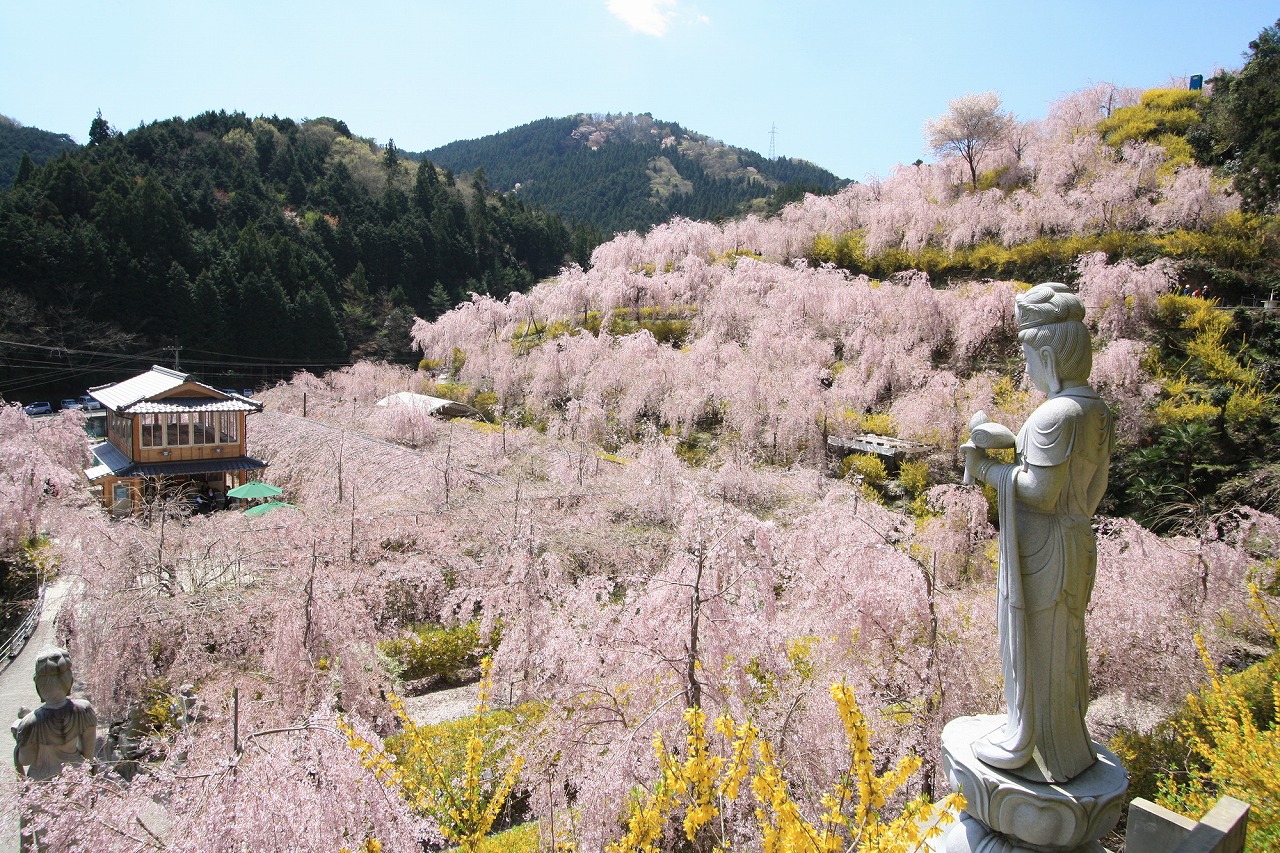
{"x": 203, "y": 430}
{"x": 228, "y": 427}
{"x": 177, "y": 432}
{"x": 120, "y": 429}
{"x": 152, "y": 434}
{"x": 183, "y": 429}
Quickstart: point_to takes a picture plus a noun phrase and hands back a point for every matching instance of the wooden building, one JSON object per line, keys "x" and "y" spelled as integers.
{"x": 170, "y": 435}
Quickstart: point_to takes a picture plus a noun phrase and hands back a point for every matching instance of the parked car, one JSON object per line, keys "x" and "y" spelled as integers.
{"x": 38, "y": 409}
{"x": 70, "y": 405}
{"x": 89, "y": 404}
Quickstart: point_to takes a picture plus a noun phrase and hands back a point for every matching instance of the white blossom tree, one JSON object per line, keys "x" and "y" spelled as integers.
{"x": 973, "y": 125}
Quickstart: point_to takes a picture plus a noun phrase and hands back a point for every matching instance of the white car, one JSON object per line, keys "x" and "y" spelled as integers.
{"x": 89, "y": 404}
{"x": 38, "y": 409}
{"x": 70, "y": 405}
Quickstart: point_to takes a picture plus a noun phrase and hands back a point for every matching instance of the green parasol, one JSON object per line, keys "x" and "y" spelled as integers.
{"x": 263, "y": 509}
{"x": 255, "y": 489}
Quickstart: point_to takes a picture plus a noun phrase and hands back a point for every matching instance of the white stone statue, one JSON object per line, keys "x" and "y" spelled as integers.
{"x": 62, "y": 730}
{"x": 1048, "y": 554}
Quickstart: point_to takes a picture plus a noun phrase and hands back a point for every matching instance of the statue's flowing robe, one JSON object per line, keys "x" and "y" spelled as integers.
{"x": 1047, "y": 564}
{"x": 52, "y": 737}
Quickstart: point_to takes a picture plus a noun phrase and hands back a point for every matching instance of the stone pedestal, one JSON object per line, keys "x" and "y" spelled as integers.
{"x": 1007, "y": 814}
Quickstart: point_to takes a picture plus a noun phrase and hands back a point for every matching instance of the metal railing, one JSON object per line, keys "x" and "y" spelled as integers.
{"x": 16, "y": 641}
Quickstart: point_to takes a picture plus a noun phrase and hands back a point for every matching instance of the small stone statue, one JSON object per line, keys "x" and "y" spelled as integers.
{"x": 62, "y": 730}
{"x": 1048, "y": 553}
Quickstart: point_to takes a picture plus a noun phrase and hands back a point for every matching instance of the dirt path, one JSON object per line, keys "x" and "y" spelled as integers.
{"x": 440, "y": 706}
{"x": 17, "y": 688}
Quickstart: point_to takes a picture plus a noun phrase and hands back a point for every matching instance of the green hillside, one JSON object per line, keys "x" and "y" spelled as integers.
{"x": 40, "y": 146}
{"x": 622, "y": 172}
{"x": 249, "y": 241}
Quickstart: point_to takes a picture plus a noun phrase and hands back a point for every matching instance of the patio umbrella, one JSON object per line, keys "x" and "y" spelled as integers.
{"x": 256, "y": 489}
{"x": 263, "y": 509}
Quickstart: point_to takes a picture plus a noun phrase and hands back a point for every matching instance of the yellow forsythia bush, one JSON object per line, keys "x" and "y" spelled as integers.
{"x": 426, "y": 651}
{"x": 460, "y": 774}
{"x": 1231, "y": 752}
{"x": 866, "y": 465}
{"x": 693, "y": 792}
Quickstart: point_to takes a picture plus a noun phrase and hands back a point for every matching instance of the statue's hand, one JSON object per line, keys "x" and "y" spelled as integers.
{"x": 22, "y": 713}
{"x": 972, "y": 457}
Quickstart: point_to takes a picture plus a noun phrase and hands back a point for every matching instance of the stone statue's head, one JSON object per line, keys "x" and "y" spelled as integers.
{"x": 53, "y": 674}
{"x": 1051, "y": 316}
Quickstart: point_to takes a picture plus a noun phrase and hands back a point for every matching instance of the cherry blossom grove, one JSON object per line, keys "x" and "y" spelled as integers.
{"x": 646, "y": 520}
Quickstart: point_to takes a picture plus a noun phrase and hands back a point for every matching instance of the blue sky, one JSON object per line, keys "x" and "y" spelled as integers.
{"x": 847, "y": 84}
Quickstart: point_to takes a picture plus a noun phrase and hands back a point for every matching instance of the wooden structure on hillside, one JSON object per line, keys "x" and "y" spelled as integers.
{"x": 892, "y": 450}
{"x": 170, "y": 435}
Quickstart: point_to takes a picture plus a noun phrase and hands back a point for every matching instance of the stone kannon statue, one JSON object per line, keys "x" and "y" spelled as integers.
{"x": 62, "y": 730}
{"x": 1048, "y": 554}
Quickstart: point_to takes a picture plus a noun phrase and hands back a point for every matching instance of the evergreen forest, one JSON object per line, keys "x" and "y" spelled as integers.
{"x": 248, "y": 241}
{"x": 24, "y": 148}
{"x": 622, "y": 172}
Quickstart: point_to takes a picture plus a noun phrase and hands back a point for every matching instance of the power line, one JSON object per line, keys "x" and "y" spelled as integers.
{"x": 72, "y": 350}
{"x": 49, "y": 377}
{"x": 48, "y": 365}
{"x": 223, "y": 360}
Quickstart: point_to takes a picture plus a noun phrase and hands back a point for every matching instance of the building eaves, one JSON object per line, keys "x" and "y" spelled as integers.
{"x": 171, "y": 405}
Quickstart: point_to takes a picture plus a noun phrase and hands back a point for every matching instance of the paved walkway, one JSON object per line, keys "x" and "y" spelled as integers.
{"x": 17, "y": 688}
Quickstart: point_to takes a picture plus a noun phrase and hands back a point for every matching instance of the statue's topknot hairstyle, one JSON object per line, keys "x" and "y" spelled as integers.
{"x": 1051, "y": 315}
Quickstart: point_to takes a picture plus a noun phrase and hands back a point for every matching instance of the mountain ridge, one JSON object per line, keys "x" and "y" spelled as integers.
{"x": 628, "y": 171}
{"x": 39, "y": 145}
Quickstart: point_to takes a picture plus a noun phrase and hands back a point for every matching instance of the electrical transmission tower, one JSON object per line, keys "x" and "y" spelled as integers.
{"x": 773, "y": 140}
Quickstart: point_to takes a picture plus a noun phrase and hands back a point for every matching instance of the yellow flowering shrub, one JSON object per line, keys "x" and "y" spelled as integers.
{"x": 870, "y": 471}
{"x": 1233, "y": 744}
{"x": 879, "y": 423}
{"x": 428, "y": 650}
{"x": 1236, "y": 239}
{"x": 1206, "y": 363}
{"x": 524, "y": 838}
{"x": 868, "y": 466}
{"x": 1010, "y": 396}
{"x": 914, "y": 477}
{"x": 692, "y": 793}
{"x": 453, "y": 773}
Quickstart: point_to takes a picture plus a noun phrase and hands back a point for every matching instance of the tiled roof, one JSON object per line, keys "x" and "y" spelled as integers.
{"x": 191, "y": 404}
{"x": 115, "y": 464}
{"x": 200, "y": 466}
{"x": 128, "y": 395}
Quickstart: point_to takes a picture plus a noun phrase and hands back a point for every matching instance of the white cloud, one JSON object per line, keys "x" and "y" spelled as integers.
{"x": 651, "y": 17}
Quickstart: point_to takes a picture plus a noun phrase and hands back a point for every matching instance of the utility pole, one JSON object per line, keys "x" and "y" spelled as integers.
{"x": 175, "y": 349}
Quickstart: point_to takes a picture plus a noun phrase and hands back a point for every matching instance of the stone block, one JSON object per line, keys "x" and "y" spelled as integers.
{"x": 1154, "y": 829}
{"x": 1222, "y": 830}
